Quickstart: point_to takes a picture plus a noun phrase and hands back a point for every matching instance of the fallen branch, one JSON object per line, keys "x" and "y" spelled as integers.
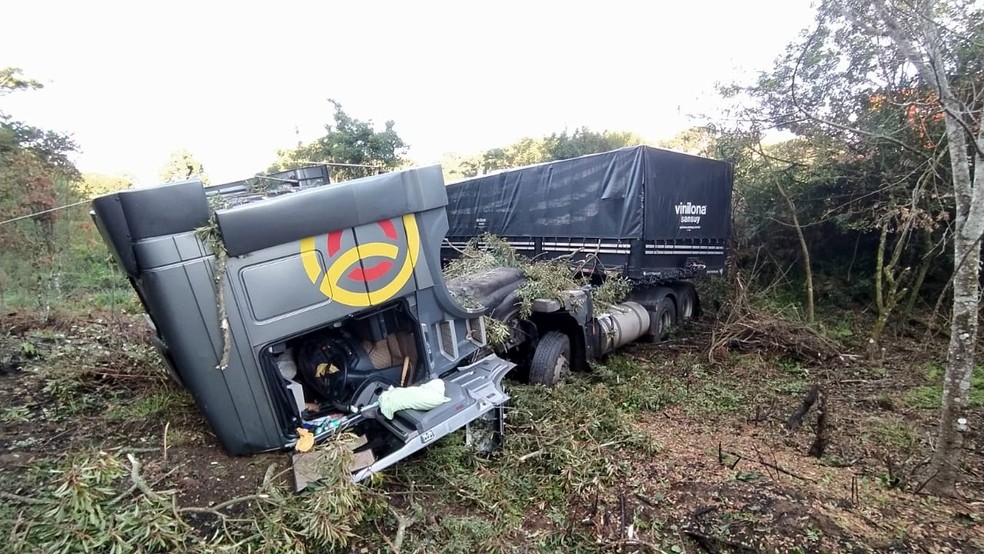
{"x": 703, "y": 511}
{"x": 533, "y": 454}
{"x": 22, "y": 499}
{"x": 402, "y": 523}
{"x": 221, "y": 263}
{"x": 623, "y": 514}
{"x": 820, "y": 440}
{"x": 772, "y": 466}
{"x": 796, "y": 419}
{"x": 747, "y": 328}
{"x": 138, "y": 480}
{"x": 645, "y": 500}
{"x": 703, "y": 541}
{"x": 133, "y": 487}
{"x": 784, "y": 471}
{"x": 223, "y": 505}
{"x": 164, "y": 455}
{"x": 861, "y": 381}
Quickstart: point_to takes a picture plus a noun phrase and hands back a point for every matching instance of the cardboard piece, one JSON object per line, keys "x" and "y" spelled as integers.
{"x": 307, "y": 465}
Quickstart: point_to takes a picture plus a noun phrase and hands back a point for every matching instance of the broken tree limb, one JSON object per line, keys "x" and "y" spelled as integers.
{"x": 221, "y": 263}
{"x": 402, "y": 523}
{"x": 702, "y": 511}
{"x": 775, "y": 466}
{"x": 533, "y": 454}
{"x": 259, "y": 498}
{"x": 820, "y": 440}
{"x": 796, "y": 419}
{"x": 22, "y": 499}
{"x": 784, "y": 471}
{"x": 138, "y": 480}
{"x": 644, "y": 500}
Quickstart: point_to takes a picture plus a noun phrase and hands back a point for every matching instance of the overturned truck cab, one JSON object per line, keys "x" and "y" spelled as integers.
{"x": 331, "y": 296}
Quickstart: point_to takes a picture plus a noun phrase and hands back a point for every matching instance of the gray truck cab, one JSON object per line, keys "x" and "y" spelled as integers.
{"x": 332, "y": 293}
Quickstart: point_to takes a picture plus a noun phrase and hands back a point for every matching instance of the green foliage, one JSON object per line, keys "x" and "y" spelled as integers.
{"x": 868, "y": 154}
{"x": 892, "y": 434}
{"x": 36, "y": 176}
{"x": 612, "y": 290}
{"x": 529, "y": 151}
{"x": 183, "y": 165}
{"x": 579, "y": 440}
{"x": 96, "y": 184}
{"x": 321, "y": 518}
{"x": 15, "y": 414}
{"x": 565, "y": 440}
{"x": 930, "y": 395}
{"x": 551, "y": 278}
{"x": 699, "y": 141}
{"x": 86, "y": 504}
{"x": 158, "y": 405}
{"x": 496, "y": 331}
{"x": 482, "y": 253}
{"x": 584, "y": 141}
{"x": 11, "y": 79}
{"x": 355, "y": 144}
{"x": 81, "y": 510}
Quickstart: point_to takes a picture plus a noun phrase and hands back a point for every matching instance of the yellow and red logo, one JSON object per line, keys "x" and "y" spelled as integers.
{"x": 366, "y": 265}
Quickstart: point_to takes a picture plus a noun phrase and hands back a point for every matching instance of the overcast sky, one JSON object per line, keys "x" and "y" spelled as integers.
{"x": 233, "y": 82}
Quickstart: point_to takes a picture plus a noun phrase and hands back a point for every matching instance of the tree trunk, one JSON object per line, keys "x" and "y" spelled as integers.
{"x": 876, "y": 331}
{"x": 923, "y": 47}
{"x": 929, "y": 254}
{"x": 807, "y": 266}
{"x": 944, "y": 467}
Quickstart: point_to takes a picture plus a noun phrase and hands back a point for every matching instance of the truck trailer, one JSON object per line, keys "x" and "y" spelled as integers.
{"x": 656, "y": 217}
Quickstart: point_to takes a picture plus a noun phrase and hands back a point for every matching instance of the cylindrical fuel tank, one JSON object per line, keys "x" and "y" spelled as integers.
{"x": 623, "y": 324}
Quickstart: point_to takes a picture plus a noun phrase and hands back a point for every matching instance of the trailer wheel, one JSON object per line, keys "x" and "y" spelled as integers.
{"x": 551, "y": 360}
{"x": 686, "y": 302}
{"x": 663, "y": 317}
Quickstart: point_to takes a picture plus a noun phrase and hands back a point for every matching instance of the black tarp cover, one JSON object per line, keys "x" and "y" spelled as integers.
{"x": 637, "y": 192}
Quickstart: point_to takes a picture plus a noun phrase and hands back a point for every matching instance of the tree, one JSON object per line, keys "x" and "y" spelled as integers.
{"x": 354, "y": 146}
{"x": 11, "y": 80}
{"x": 36, "y": 177}
{"x": 699, "y": 141}
{"x": 96, "y": 184}
{"x": 935, "y": 38}
{"x": 529, "y": 151}
{"x": 183, "y": 165}
{"x": 584, "y": 141}
{"x": 877, "y": 145}
{"x": 895, "y": 89}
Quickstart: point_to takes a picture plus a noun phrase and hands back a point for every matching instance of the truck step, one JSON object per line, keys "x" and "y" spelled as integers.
{"x": 474, "y": 390}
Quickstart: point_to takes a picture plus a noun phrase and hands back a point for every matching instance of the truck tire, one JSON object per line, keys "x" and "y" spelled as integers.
{"x": 662, "y": 318}
{"x": 551, "y": 359}
{"x": 686, "y": 297}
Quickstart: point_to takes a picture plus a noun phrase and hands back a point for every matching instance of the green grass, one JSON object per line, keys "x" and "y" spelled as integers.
{"x": 563, "y": 444}
{"x": 930, "y": 395}
{"x": 896, "y": 435}
{"x": 15, "y": 414}
{"x": 155, "y": 405}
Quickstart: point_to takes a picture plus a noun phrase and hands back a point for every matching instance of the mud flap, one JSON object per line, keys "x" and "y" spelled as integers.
{"x": 474, "y": 391}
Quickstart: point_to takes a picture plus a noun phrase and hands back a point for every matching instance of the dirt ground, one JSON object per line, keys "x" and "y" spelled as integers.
{"x": 710, "y": 467}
